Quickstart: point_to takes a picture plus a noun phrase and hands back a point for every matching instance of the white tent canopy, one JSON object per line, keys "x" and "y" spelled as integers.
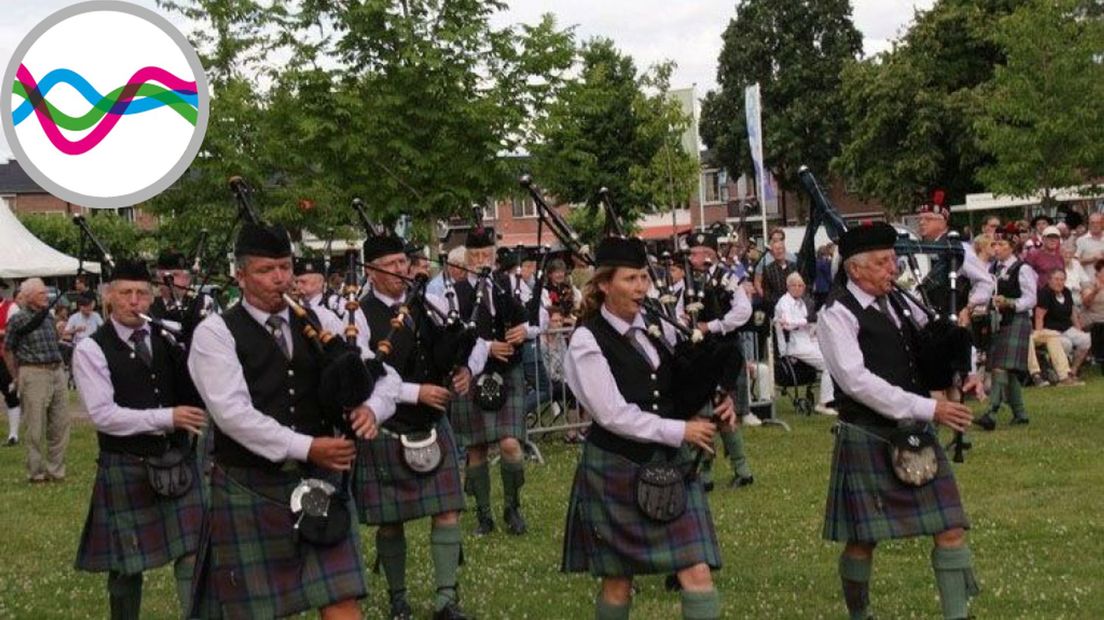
{"x": 22, "y": 255}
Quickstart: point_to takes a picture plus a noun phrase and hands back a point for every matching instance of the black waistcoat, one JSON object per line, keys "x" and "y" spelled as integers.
{"x": 716, "y": 299}
{"x": 638, "y": 383}
{"x": 285, "y": 390}
{"x": 1008, "y": 285}
{"x": 937, "y": 286}
{"x": 165, "y": 383}
{"x": 409, "y": 357}
{"x": 489, "y": 327}
{"x": 888, "y": 352}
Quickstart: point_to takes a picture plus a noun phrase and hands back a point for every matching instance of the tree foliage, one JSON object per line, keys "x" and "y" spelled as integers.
{"x": 118, "y": 235}
{"x": 1042, "y": 118}
{"x": 795, "y": 51}
{"x": 913, "y": 110}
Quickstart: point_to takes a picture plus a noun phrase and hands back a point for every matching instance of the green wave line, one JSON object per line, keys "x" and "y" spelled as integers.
{"x": 103, "y": 106}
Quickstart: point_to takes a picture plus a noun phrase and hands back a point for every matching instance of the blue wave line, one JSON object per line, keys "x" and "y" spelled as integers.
{"x": 91, "y": 95}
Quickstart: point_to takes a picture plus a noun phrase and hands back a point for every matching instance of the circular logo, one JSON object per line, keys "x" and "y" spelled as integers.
{"x": 105, "y": 104}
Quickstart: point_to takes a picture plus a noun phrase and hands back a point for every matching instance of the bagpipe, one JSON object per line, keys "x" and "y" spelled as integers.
{"x": 944, "y": 348}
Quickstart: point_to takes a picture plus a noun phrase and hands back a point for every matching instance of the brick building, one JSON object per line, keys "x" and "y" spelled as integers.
{"x": 24, "y": 196}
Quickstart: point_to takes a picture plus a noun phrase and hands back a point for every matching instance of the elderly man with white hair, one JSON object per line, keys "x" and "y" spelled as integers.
{"x": 32, "y": 353}
{"x": 791, "y": 313}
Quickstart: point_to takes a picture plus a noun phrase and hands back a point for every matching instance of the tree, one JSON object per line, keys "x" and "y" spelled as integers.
{"x": 912, "y": 110}
{"x": 795, "y": 51}
{"x": 1043, "y": 116}
{"x": 119, "y": 236}
{"x": 617, "y": 129}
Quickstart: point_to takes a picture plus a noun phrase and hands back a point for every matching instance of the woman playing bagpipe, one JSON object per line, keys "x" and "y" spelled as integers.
{"x": 280, "y": 536}
{"x": 637, "y": 506}
{"x": 411, "y": 469}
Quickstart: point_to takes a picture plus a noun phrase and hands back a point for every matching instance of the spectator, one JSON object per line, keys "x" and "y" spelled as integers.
{"x": 1068, "y": 240}
{"x": 1076, "y": 277}
{"x": 770, "y": 283}
{"x": 61, "y": 322}
{"x": 992, "y": 223}
{"x": 799, "y": 341}
{"x": 80, "y": 289}
{"x": 823, "y": 282}
{"x": 34, "y": 359}
{"x": 85, "y": 322}
{"x": 1039, "y": 224}
{"x": 1092, "y": 299}
{"x": 1048, "y": 256}
{"x": 1058, "y": 327}
{"x": 553, "y": 349}
{"x": 776, "y": 234}
{"x": 8, "y": 308}
{"x": 560, "y": 293}
{"x": 1090, "y": 246}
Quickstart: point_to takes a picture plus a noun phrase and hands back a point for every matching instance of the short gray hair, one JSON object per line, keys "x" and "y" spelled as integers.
{"x": 457, "y": 254}
{"x": 31, "y": 285}
{"x": 794, "y": 278}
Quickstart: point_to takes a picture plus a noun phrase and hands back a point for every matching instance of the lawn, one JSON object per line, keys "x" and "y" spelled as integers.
{"x": 1034, "y": 495}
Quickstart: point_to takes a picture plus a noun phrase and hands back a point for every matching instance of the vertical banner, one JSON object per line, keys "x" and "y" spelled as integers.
{"x": 753, "y": 109}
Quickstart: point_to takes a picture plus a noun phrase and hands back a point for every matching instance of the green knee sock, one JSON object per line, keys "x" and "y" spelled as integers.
{"x": 604, "y": 610}
{"x": 734, "y": 449}
{"x": 444, "y": 548}
{"x": 182, "y": 572}
{"x": 954, "y": 576}
{"x": 392, "y": 554}
{"x": 125, "y": 594}
{"x": 701, "y": 605}
{"x": 996, "y": 391}
{"x": 479, "y": 485}
{"x": 1015, "y": 398}
{"x": 855, "y": 579}
{"x": 706, "y": 471}
{"x": 513, "y": 476}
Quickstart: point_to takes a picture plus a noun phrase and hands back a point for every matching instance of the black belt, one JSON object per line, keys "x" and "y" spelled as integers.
{"x": 863, "y": 417}
{"x": 635, "y": 451}
{"x": 135, "y": 445}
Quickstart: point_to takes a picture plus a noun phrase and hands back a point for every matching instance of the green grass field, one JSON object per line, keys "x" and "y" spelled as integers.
{"x": 1034, "y": 495}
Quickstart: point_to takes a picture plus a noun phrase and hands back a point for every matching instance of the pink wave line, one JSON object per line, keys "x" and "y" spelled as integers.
{"x": 100, "y": 131}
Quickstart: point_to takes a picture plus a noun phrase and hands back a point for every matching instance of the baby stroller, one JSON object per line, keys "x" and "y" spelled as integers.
{"x": 791, "y": 373}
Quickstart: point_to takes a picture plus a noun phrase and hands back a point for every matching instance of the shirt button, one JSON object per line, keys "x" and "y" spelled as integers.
{"x": 291, "y": 373}
{"x": 291, "y": 409}
{"x": 153, "y": 375}
{"x": 655, "y": 407}
{"x": 656, "y": 393}
{"x": 653, "y": 376}
{"x": 156, "y": 391}
{"x": 291, "y": 391}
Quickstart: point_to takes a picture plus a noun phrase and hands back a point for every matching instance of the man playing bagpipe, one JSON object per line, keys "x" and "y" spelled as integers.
{"x": 637, "y": 504}
{"x": 721, "y": 306}
{"x": 310, "y": 284}
{"x": 281, "y": 536}
{"x": 494, "y": 410}
{"x": 146, "y": 508}
{"x": 411, "y": 469}
{"x": 890, "y": 477}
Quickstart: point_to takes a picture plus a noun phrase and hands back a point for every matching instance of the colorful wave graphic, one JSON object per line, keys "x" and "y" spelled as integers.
{"x": 136, "y": 96}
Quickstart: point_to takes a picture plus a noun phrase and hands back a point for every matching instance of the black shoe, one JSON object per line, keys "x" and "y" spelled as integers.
{"x": 450, "y": 612}
{"x": 486, "y": 523}
{"x": 400, "y": 609}
{"x": 1019, "y": 420}
{"x": 11, "y": 442}
{"x": 741, "y": 481}
{"x": 515, "y": 523}
{"x": 671, "y": 583}
{"x": 986, "y": 422}
{"x": 707, "y": 486}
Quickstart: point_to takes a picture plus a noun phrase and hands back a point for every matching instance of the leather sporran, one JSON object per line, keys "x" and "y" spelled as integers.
{"x": 171, "y": 474}
{"x": 322, "y": 516}
{"x": 661, "y": 492}
{"x": 490, "y": 392}
{"x": 422, "y": 456}
{"x": 912, "y": 455}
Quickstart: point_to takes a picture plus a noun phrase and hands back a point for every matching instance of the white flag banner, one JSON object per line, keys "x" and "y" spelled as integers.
{"x": 753, "y": 109}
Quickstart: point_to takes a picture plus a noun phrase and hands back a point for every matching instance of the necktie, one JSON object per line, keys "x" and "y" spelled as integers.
{"x": 634, "y": 340}
{"x": 276, "y": 326}
{"x": 138, "y": 339}
{"x": 883, "y": 306}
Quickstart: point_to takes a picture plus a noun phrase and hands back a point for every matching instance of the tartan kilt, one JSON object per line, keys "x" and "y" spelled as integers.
{"x": 475, "y": 427}
{"x": 607, "y": 535}
{"x": 866, "y": 502}
{"x": 129, "y": 527}
{"x": 250, "y": 563}
{"x": 1010, "y": 345}
{"x": 387, "y": 491}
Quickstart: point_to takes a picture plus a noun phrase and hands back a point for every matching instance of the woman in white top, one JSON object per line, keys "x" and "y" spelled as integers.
{"x": 792, "y": 315}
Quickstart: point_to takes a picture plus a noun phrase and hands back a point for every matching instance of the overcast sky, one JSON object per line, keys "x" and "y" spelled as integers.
{"x": 687, "y": 31}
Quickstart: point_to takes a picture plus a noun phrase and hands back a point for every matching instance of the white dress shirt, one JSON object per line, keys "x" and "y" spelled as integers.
{"x": 838, "y": 338}
{"x": 588, "y": 374}
{"x": 217, "y": 373}
{"x": 792, "y": 314}
{"x": 93, "y": 379}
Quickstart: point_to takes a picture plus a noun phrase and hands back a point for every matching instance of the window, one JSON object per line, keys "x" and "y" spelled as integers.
{"x": 490, "y": 211}
{"x": 715, "y": 183}
{"x": 523, "y": 207}
{"x": 126, "y": 213}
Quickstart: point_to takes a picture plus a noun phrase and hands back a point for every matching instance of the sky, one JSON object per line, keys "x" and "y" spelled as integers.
{"x": 685, "y": 31}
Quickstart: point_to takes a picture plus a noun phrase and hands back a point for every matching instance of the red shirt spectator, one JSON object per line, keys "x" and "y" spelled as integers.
{"x": 1046, "y": 259}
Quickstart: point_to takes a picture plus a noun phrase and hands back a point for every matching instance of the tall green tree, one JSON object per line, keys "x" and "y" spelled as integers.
{"x": 795, "y": 51}
{"x": 618, "y": 128}
{"x": 912, "y": 111}
{"x": 1043, "y": 114}
{"x": 119, "y": 236}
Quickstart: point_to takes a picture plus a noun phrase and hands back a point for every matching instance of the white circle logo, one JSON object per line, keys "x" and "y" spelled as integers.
{"x": 105, "y": 104}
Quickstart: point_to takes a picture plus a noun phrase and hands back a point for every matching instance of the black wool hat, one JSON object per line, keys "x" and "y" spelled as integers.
{"x": 307, "y": 264}
{"x": 867, "y": 237}
{"x": 702, "y": 239}
{"x": 480, "y": 237}
{"x": 621, "y": 252}
{"x": 135, "y": 270}
{"x": 506, "y": 258}
{"x": 262, "y": 240}
{"x": 171, "y": 260}
{"x": 382, "y": 245}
